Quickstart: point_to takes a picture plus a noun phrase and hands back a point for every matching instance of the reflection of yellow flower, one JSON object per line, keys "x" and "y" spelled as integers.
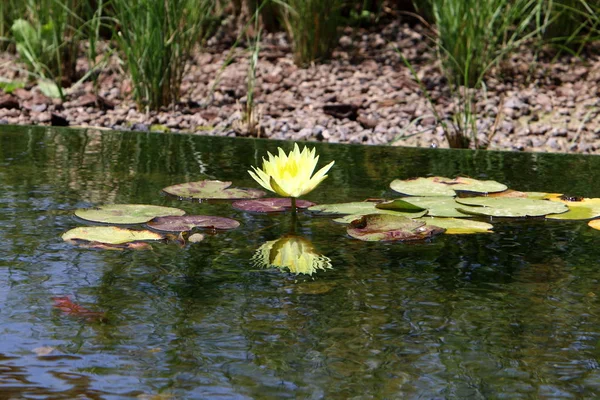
{"x": 290, "y": 175}
{"x": 292, "y": 252}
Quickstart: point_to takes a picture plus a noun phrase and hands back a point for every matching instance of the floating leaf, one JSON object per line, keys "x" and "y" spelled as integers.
{"x": 204, "y": 190}
{"x": 189, "y": 222}
{"x": 516, "y": 193}
{"x": 275, "y": 204}
{"x": 346, "y": 219}
{"x": 360, "y": 208}
{"x": 510, "y": 207}
{"x": 436, "y": 206}
{"x": 595, "y": 224}
{"x": 383, "y": 227}
{"x": 454, "y": 226}
{"x": 440, "y": 186}
{"x": 109, "y": 234}
{"x": 579, "y": 208}
{"x": 399, "y": 205}
{"x": 126, "y": 213}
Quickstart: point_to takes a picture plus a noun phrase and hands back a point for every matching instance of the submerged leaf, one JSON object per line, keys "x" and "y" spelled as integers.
{"x": 189, "y": 222}
{"x": 276, "y": 204}
{"x": 510, "y": 207}
{"x": 383, "y": 227}
{"x": 454, "y": 226}
{"x": 207, "y": 189}
{"x": 441, "y": 186}
{"x": 67, "y": 306}
{"x": 109, "y": 234}
{"x": 126, "y": 213}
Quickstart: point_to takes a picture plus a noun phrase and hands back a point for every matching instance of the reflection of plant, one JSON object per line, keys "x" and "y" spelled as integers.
{"x": 292, "y": 252}
{"x": 290, "y": 175}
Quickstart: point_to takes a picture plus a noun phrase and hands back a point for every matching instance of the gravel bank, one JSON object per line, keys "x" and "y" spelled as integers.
{"x": 365, "y": 94}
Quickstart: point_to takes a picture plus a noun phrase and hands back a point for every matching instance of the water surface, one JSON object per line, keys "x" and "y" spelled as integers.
{"x": 513, "y": 314}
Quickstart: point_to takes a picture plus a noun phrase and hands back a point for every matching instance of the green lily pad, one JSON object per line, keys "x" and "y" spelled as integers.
{"x": 361, "y": 208}
{"x": 579, "y": 208}
{"x": 275, "y": 204}
{"x": 346, "y": 219}
{"x": 109, "y": 234}
{"x": 436, "y": 206}
{"x": 510, "y": 207}
{"x": 383, "y": 227}
{"x": 454, "y": 226}
{"x": 399, "y": 205}
{"x": 215, "y": 190}
{"x": 188, "y": 222}
{"x": 126, "y": 213}
{"x": 524, "y": 195}
{"x": 440, "y": 186}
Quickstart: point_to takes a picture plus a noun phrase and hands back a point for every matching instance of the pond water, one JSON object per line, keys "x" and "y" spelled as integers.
{"x": 513, "y": 314}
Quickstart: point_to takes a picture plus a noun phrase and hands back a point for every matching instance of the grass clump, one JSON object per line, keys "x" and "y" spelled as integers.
{"x": 313, "y": 27}
{"x": 156, "y": 38}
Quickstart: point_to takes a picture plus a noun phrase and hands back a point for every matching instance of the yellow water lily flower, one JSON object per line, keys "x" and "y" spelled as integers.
{"x": 290, "y": 175}
{"x": 292, "y": 252}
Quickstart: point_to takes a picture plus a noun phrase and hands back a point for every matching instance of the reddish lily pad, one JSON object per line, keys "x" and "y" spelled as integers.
{"x": 126, "y": 213}
{"x": 189, "y": 222}
{"x": 211, "y": 190}
{"x": 441, "y": 186}
{"x": 275, "y": 204}
{"x": 109, "y": 234}
{"x": 384, "y": 227}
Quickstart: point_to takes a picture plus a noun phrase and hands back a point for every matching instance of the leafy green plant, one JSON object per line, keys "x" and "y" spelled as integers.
{"x": 571, "y": 23}
{"x": 473, "y": 35}
{"x": 156, "y": 38}
{"x": 313, "y": 27}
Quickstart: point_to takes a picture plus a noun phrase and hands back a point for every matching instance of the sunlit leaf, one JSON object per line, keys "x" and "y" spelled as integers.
{"x": 126, "y": 213}
{"x": 436, "y": 206}
{"x": 383, "y": 227}
{"x": 440, "y": 186}
{"x": 595, "y": 224}
{"x": 510, "y": 207}
{"x": 189, "y": 222}
{"x": 579, "y": 208}
{"x": 516, "y": 193}
{"x": 454, "y": 226}
{"x": 109, "y": 234}
{"x": 207, "y": 189}
{"x": 275, "y": 204}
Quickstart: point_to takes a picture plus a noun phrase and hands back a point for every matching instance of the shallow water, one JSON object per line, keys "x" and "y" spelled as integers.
{"x": 513, "y": 314}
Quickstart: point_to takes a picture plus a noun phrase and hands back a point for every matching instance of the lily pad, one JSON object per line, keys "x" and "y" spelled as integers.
{"x": 440, "y": 186}
{"x": 109, "y": 234}
{"x": 516, "y": 193}
{"x": 399, "y": 205}
{"x": 455, "y": 226}
{"x": 436, "y": 206}
{"x": 383, "y": 227}
{"x": 361, "y": 208}
{"x": 595, "y": 224}
{"x": 579, "y": 208}
{"x": 211, "y": 190}
{"x": 346, "y": 219}
{"x": 189, "y": 222}
{"x": 510, "y": 207}
{"x": 275, "y": 204}
{"x": 126, "y": 213}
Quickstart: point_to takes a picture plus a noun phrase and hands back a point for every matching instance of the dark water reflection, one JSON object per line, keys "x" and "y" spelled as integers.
{"x": 512, "y": 314}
